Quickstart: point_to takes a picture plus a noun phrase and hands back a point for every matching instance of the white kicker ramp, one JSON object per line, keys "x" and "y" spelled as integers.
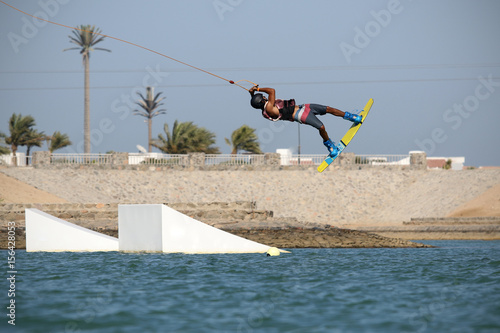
{"x": 48, "y": 233}
{"x": 159, "y": 228}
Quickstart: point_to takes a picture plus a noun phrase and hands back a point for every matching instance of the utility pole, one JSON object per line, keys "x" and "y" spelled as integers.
{"x": 298, "y": 127}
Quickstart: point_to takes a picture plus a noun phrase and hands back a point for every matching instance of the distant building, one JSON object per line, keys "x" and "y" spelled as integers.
{"x": 9, "y": 159}
{"x": 457, "y": 163}
{"x": 435, "y": 163}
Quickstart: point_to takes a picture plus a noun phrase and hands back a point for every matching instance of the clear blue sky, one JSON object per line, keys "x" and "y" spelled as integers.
{"x": 432, "y": 67}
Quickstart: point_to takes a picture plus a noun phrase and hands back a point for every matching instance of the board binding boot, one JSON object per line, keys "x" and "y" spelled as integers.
{"x": 355, "y": 118}
{"x": 332, "y": 148}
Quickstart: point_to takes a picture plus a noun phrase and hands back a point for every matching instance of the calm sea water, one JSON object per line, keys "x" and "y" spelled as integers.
{"x": 453, "y": 288}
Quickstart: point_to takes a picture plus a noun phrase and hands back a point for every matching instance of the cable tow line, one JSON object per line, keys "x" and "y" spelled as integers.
{"x": 130, "y": 43}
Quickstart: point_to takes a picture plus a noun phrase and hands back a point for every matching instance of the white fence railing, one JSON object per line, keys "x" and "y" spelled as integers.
{"x": 157, "y": 159}
{"x": 96, "y": 159}
{"x": 231, "y": 159}
{"x": 383, "y": 159}
{"x": 302, "y": 159}
{"x": 210, "y": 159}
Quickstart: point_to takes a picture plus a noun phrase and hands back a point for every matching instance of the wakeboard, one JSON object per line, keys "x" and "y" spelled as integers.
{"x": 347, "y": 137}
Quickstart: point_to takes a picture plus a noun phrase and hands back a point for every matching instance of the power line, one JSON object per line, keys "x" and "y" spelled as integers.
{"x": 271, "y": 69}
{"x": 266, "y": 83}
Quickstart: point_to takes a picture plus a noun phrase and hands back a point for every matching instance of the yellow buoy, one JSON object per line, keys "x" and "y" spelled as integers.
{"x": 273, "y": 252}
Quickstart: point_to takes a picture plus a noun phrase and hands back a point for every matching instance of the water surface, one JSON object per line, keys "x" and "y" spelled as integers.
{"x": 453, "y": 288}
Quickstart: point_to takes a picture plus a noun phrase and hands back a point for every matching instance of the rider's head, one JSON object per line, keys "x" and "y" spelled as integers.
{"x": 258, "y": 101}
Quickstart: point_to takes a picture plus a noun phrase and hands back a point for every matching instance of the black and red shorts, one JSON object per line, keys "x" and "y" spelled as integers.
{"x": 307, "y": 113}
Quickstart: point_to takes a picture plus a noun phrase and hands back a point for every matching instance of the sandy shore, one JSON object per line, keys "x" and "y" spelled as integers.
{"x": 341, "y": 198}
{"x": 15, "y": 191}
{"x": 309, "y": 209}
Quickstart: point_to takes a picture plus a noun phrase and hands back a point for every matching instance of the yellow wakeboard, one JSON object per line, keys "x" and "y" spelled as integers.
{"x": 347, "y": 137}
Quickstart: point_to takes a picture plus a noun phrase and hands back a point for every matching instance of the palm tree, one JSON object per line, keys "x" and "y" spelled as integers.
{"x": 244, "y": 138}
{"x": 186, "y": 138}
{"x": 149, "y": 105}
{"x": 58, "y": 141}
{"x": 3, "y": 150}
{"x": 86, "y": 36}
{"x": 33, "y": 139}
{"x": 19, "y": 128}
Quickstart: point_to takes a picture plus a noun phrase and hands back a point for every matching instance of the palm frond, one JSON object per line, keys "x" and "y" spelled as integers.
{"x": 186, "y": 137}
{"x": 101, "y": 49}
{"x": 244, "y": 138}
{"x": 149, "y": 104}
{"x": 86, "y": 36}
{"x": 21, "y": 130}
{"x": 58, "y": 141}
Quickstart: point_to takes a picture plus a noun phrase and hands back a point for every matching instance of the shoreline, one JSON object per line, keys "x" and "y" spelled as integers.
{"x": 405, "y": 204}
{"x": 340, "y": 197}
{"x": 284, "y": 238}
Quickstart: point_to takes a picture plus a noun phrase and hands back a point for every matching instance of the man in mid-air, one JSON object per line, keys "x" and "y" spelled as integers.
{"x": 278, "y": 109}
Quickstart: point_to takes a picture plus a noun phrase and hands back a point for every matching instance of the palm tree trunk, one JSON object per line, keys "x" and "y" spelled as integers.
{"x": 86, "y": 120}
{"x": 150, "y": 122}
{"x": 28, "y": 149}
{"x": 14, "y": 157}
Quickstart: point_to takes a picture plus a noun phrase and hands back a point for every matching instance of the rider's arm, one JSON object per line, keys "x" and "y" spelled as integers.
{"x": 271, "y": 97}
